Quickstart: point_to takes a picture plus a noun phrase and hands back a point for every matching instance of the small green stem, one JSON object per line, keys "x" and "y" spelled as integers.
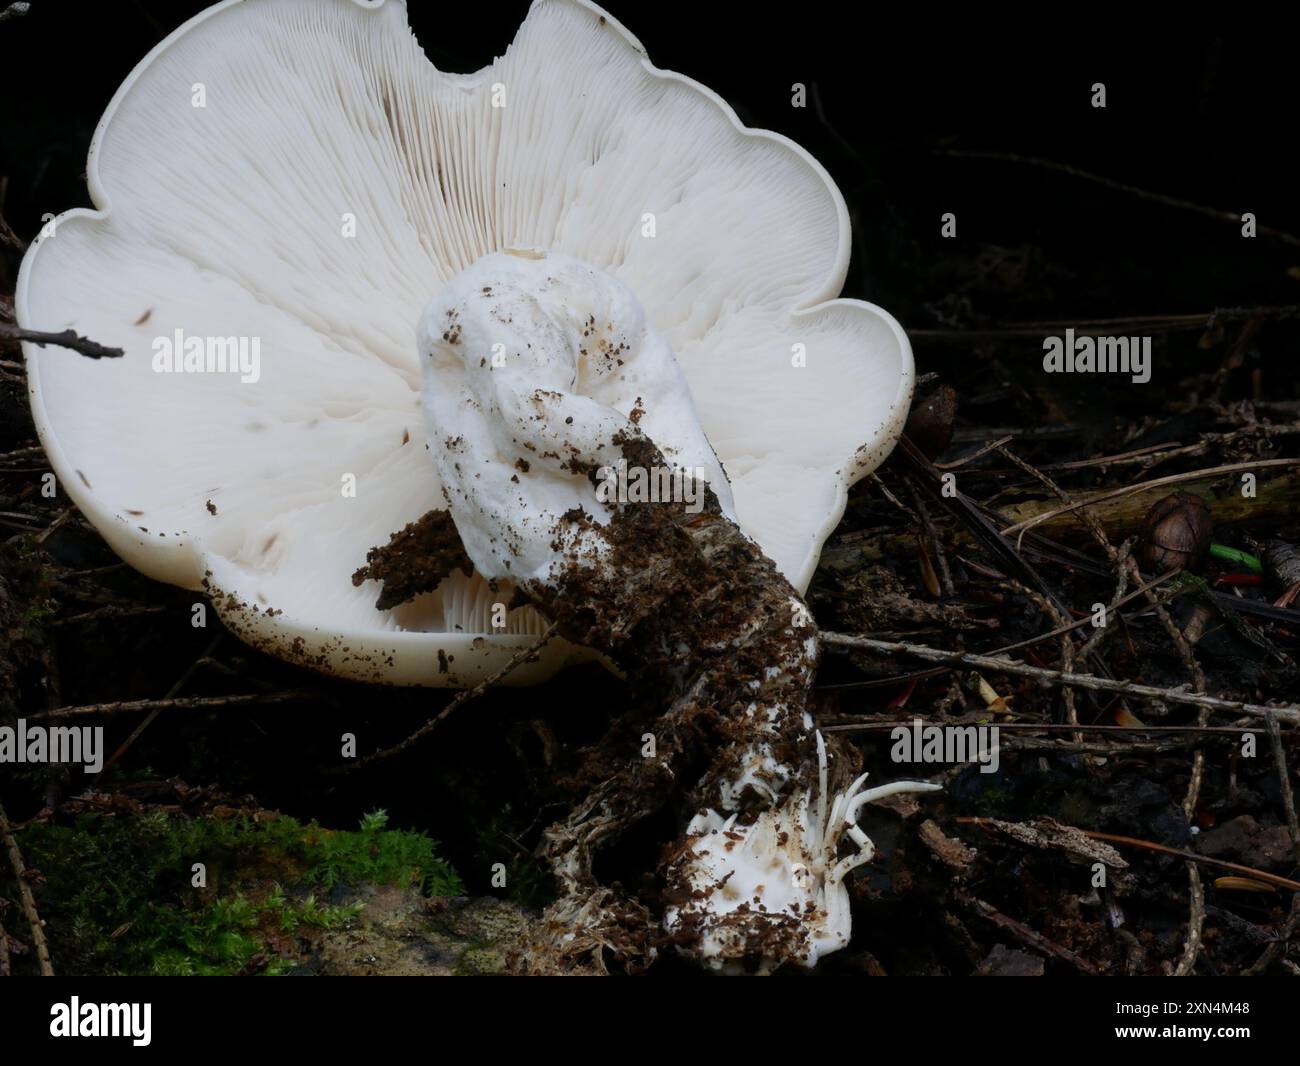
{"x": 1232, "y": 555}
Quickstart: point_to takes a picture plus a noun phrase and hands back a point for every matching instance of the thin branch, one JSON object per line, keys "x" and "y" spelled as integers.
{"x": 1102, "y": 327}
{"x": 1204, "y": 860}
{"x": 25, "y": 896}
{"x": 185, "y": 703}
{"x": 461, "y": 699}
{"x": 171, "y": 693}
{"x": 1023, "y": 933}
{"x": 111, "y": 611}
{"x": 1149, "y": 845}
{"x": 66, "y": 339}
{"x": 1029, "y": 642}
{"x": 1039, "y": 727}
{"x": 1284, "y": 775}
{"x": 1089, "y": 681}
{"x": 1195, "y": 922}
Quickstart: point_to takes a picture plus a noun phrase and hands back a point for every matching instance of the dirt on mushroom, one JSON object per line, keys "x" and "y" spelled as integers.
{"x": 415, "y": 560}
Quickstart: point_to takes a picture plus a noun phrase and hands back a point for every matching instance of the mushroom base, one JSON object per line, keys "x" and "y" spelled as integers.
{"x": 694, "y": 613}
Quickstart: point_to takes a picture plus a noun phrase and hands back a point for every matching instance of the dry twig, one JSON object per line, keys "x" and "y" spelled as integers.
{"x": 25, "y": 896}
{"x": 1100, "y": 684}
{"x": 65, "y": 339}
{"x": 462, "y": 698}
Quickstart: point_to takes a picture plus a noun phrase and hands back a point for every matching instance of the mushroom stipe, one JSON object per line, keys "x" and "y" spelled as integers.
{"x": 706, "y": 628}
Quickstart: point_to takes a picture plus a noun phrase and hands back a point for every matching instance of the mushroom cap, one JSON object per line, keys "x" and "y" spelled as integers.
{"x": 227, "y": 173}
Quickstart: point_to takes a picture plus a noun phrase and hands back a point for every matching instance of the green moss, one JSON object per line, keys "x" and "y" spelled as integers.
{"x": 381, "y": 855}
{"x": 291, "y": 914}
{"x": 117, "y": 893}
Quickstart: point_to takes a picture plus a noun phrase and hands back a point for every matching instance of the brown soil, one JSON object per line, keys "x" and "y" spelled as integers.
{"x": 415, "y": 560}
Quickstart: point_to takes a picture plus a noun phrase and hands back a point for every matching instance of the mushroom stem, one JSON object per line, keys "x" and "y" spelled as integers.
{"x": 541, "y": 378}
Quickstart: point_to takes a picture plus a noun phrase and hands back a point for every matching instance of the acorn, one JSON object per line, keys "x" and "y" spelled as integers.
{"x": 929, "y": 426}
{"x": 1177, "y": 534}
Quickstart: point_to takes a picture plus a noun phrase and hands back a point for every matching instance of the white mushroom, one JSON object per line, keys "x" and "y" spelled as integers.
{"x": 295, "y": 175}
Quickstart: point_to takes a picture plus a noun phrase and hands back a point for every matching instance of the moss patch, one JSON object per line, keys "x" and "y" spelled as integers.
{"x": 118, "y": 893}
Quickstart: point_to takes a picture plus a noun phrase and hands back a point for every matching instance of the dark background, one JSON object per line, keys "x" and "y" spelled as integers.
{"x": 1201, "y": 108}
